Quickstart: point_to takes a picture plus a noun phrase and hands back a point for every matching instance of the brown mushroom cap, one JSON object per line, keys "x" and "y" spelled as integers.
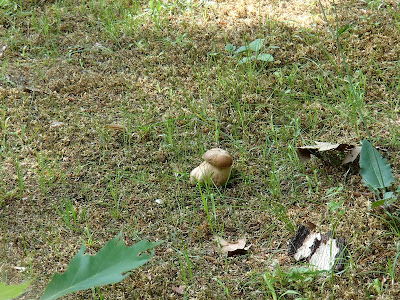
{"x": 218, "y": 157}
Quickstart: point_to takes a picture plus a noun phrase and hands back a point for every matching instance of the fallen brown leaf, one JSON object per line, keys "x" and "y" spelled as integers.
{"x": 179, "y": 289}
{"x": 352, "y": 151}
{"x": 352, "y": 155}
{"x": 232, "y": 249}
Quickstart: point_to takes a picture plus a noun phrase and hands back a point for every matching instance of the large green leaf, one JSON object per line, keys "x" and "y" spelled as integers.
{"x": 241, "y": 49}
{"x": 256, "y": 45}
{"x": 375, "y": 171}
{"x": 109, "y": 265}
{"x": 12, "y": 291}
{"x": 265, "y": 57}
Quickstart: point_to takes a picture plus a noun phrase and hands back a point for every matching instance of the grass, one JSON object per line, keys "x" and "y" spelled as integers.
{"x": 160, "y": 70}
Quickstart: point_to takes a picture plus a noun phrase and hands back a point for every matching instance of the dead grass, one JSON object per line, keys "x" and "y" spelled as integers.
{"x": 61, "y": 87}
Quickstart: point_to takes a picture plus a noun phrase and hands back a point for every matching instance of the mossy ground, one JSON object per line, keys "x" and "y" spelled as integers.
{"x": 160, "y": 70}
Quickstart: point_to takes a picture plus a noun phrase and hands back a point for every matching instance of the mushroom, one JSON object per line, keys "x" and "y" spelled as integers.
{"x": 216, "y": 167}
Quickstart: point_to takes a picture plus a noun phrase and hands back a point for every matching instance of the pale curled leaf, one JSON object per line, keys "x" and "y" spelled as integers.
{"x": 324, "y": 146}
{"x": 351, "y": 150}
{"x": 352, "y": 155}
{"x": 110, "y": 265}
{"x": 179, "y": 289}
{"x": 2, "y": 49}
{"x": 233, "y": 248}
{"x": 306, "y": 151}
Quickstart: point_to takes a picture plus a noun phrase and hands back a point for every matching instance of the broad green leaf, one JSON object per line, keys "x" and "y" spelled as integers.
{"x": 378, "y": 203}
{"x": 265, "y": 57}
{"x": 388, "y": 195}
{"x": 230, "y": 48}
{"x": 12, "y": 291}
{"x": 256, "y": 45}
{"x": 109, "y": 265}
{"x": 375, "y": 171}
{"x": 388, "y": 198}
{"x": 241, "y": 49}
{"x": 246, "y": 59}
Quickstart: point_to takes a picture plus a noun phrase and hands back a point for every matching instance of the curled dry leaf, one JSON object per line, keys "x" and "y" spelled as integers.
{"x": 122, "y": 128}
{"x": 351, "y": 151}
{"x": 352, "y": 155}
{"x": 232, "y": 249}
{"x": 179, "y": 289}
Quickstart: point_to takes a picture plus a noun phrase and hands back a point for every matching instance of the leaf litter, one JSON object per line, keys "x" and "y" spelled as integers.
{"x": 351, "y": 151}
{"x": 232, "y": 249}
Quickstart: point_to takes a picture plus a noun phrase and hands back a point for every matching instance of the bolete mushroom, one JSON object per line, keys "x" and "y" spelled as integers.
{"x": 216, "y": 167}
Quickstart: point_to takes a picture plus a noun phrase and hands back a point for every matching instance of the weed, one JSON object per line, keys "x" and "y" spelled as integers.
{"x": 69, "y": 213}
{"x": 116, "y": 195}
{"x": 250, "y": 54}
{"x": 20, "y": 177}
{"x": 48, "y": 172}
{"x": 185, "y": 267}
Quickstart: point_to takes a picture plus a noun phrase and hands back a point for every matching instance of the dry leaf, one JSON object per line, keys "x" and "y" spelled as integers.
{"x": 352, "y": 155}
{"x": 232, "y": 249}
{"x": 351, "y": 150}
{"x": 21, "y": 269}
{"x": 2, "y": 49}
{"x": 56, "y": 124}
{"x": 117, "y": 127}
{"x": 323, "y": 146}
{"x": 179, "y": 289}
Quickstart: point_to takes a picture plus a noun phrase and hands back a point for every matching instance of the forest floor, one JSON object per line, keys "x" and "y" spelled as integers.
{"x": 160, "y": 72}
